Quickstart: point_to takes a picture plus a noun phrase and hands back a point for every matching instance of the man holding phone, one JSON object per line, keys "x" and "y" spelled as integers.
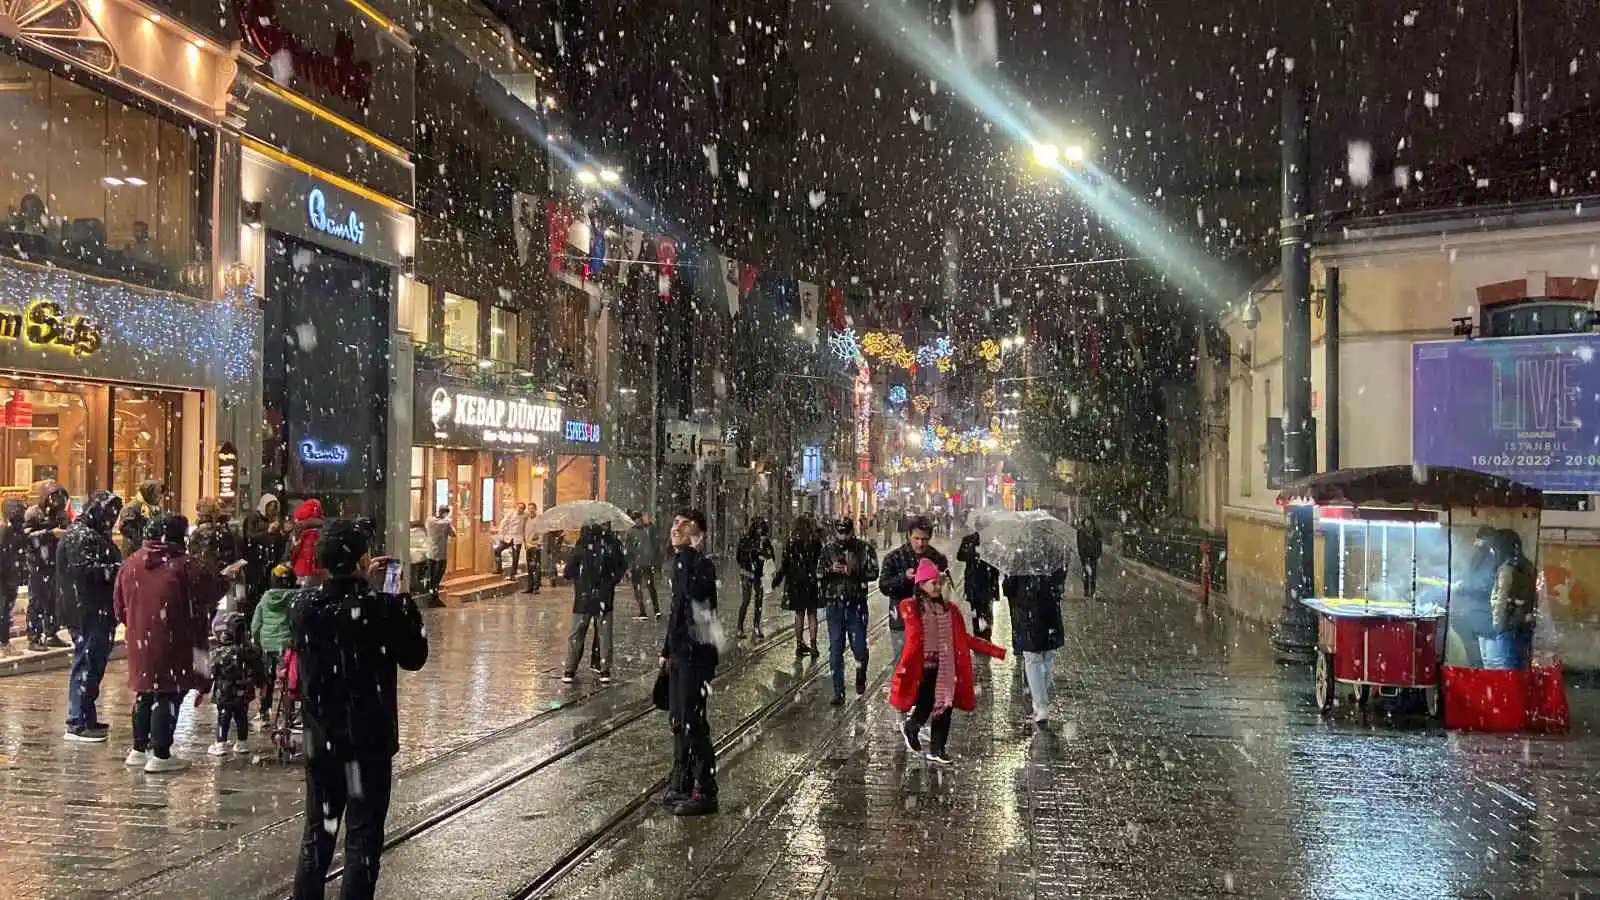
{"x": 845, "y": 568}
{"x": 350, "y": 642}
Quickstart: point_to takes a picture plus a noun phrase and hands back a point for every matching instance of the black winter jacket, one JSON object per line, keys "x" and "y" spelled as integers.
{"x": 1035, "y": 602}
{"x": 87, "y": 559}
{"x": 691, "y": 629}
{"x": 980, "y": 581}
{"x": 797, "y": 574}
{"x": 862, "y": 561}
{"x": 896, "y": 585}
{"x": 595, "y": 566}
{"x": 13, "y": 546}
{"x": 351, "y": 642}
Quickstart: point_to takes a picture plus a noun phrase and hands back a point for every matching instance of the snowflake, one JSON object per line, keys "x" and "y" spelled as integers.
{"x": 898, "y": 395}
{"x": 844, "y": 344}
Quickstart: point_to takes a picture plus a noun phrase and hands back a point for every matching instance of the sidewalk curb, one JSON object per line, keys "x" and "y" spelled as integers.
{"x": 50, "y": 660}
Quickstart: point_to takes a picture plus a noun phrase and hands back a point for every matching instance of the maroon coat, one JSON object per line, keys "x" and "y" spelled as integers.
{"x": 155, "y": 597}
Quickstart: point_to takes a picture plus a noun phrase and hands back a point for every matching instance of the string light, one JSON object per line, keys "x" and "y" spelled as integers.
{"x": 898, "y": 395}
{"x": 147, "y": 330}
{"x": 845, "y": 345}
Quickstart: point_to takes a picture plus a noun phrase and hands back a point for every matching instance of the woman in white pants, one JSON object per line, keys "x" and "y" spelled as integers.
{"x": 1038, "y": 632}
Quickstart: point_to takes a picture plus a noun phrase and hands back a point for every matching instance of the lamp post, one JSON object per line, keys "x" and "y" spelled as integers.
{"x": 1295, "y": 634}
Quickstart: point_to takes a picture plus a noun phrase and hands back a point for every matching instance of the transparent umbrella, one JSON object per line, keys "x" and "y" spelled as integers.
{"x": 1025, "y": 543}
{"x": 575, "y": 514}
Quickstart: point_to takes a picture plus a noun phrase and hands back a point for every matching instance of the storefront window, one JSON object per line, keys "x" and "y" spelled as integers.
{"x": 68, "y": 431}
{"x": 503, "y": 325}
{"x": 415, "y": 311}
{"x": 95, "y": 183}
{"x": 460, "y": 324}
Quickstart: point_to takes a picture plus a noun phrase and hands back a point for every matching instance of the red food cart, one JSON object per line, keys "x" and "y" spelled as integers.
{"x": 1396, "y": 542}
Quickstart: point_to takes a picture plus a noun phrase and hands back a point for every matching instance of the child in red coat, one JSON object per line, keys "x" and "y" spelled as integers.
{"x": 934, "y": 674}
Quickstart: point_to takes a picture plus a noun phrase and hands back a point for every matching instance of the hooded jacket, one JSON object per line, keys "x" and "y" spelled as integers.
{"x": 307, "y": 528}
{"x": 269, "y": 624}
{"x": 13, "y": 546}
{"x": 166, "y": 624}
{"x": 595, "y": 566}
{"x": 351, "y": 643}
{"x": 137, "y": 514}
{"x": 1035, "y": 602}
{"x": 236, "y": 664}
{"x": 980, "y": 581}
{"x": 87, "y": 559}
{"x": 40, "y": 524}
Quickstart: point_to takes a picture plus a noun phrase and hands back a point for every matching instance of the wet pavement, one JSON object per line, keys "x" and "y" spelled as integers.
{"x": 1183, "y": 762}
{"x": 75, "y": 822}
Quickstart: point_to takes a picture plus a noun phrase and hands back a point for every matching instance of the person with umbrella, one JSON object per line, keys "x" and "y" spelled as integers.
{"x": 595, "y": 568}
{"x": 1038, "y": 631}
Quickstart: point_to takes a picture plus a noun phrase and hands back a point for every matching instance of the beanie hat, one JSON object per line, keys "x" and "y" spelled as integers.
{"x": 926, "y": 571}
{"x": 341, "y": 546}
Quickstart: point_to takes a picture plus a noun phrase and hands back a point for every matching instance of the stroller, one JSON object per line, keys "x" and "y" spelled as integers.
{"x": 287, "y": 735}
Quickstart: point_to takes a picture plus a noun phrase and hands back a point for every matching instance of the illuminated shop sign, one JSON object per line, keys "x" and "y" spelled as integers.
{"x": 227, "y": 473}
{"x": 472, "y": 418}
{"x": 44, "y": 327}
{"x": 583, "y": 432}
{"x": 317, "y": 454}
{"x": 350, "y": 228}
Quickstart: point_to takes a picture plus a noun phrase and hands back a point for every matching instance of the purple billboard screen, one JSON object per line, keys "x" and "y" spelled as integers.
{"x": 1527, "y": 409}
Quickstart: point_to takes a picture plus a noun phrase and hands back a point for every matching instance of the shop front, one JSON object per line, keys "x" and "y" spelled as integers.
{"x": 481, "y": 451}
{"x": 106, "y": 385}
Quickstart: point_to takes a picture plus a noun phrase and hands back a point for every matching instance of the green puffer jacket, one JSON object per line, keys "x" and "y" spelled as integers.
{"x": 270, "y": 627}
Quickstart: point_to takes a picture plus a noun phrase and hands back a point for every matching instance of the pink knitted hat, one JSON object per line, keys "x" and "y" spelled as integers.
{"x": 926, "y": 571}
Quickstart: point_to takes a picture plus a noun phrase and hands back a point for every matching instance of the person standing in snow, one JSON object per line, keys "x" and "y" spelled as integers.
{"x": 689, "y": 657}
{"x": 350, "y": 642}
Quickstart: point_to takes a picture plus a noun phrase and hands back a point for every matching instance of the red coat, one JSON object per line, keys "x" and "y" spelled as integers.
{"x": 907, "y": 678}
{"x": 155, "y": 597}
{"x": 308, "y": 527}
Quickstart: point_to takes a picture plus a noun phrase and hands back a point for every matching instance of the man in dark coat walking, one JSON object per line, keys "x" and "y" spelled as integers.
{"x": 350, "y": 642}
{"x": 898, "y": 570}
{"x": 981, "y": 583}
{"x": 689, "y": 656}
{"x": 845, "y": 567}
{"x": 13, "y": 570}
{"x": 1089, "y": 547}
{"x": 595, "y": 567}
{"x": 86, "y": 572}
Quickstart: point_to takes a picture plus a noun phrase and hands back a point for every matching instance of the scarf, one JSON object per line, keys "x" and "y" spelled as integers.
{"x": 939, "y": 652}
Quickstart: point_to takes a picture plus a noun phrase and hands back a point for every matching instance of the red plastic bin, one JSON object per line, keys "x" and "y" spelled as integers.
{"x": 1486, "y": 699}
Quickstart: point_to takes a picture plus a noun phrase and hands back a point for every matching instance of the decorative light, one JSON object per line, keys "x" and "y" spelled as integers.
{"x": 844, "y": 344}
{"x": 992, "y": 365}
{"x": 946, "y": 364}
{"x": 922, "y": 403}
{"x": 988, "y": 349}
{"x": 989, "y": 398}
{"x": 587, "y": 176}
{"x": 898, "y": 395}
{"x": 930, "y": 439}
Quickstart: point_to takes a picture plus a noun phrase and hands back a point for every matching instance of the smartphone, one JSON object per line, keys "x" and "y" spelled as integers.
{"x": 391, "y": 577}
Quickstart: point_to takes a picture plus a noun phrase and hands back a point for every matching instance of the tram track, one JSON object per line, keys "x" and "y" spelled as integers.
{"x": 544, "y": 884}
{"x": 609, "y": 728}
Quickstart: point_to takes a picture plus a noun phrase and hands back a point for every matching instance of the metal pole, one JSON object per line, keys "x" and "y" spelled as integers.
{"x": 1295, "y": 636}
{"x": 1330, "y": 347}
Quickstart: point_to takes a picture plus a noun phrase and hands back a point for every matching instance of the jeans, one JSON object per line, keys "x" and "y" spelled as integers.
{"x": 1091, "y": 569}
{"x": 235, "y": 714}
{"x": 433, "y": 575}
{"x": 516, "y": 554}
{"x": 42, "y": 606}
{"x": 155, "y": 719}
{"x": 8, "y": 601}
{"x": 1506, "y": 649}
{"x": 91, "y": 648}
{"x": 694, "y": 757}
{"x": 750, "y": 588}
{"x": 358, "y": 793}
{"x": 923, "y": 710}
{"x": 580, "y": 629}
{"x": 1037, "y": 666}
{"x": 846, "y": 620}
{"x": 644, "y": 578}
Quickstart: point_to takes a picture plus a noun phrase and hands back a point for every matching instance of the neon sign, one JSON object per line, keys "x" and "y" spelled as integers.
{"x": 351, "y": 229}
{"x": 313, "y": 453}
{"x": 583, "y": 432}
{"x": 44, "y": 327}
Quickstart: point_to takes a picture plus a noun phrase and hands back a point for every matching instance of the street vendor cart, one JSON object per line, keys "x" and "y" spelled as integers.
{"x": 1399, "y": 546}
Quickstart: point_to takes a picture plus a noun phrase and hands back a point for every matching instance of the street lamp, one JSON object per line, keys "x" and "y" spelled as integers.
{"x": 610, "y": 176}
{"x": 587, "y": 177}
{"x": 1046, "y": 154}
{"x": 1075, "y": 153}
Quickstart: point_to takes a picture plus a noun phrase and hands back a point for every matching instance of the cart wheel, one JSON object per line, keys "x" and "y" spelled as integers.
{"x": 1324, "y": 685}
{"x": 1433, "y": 701}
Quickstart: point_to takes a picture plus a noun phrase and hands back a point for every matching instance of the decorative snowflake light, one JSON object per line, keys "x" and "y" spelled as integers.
{"x": 898, "y": 395}
{"x": 988, "y": 349}
{"x": 844, "y": 344}
{"x": 922, "y": 403}
{"x": 930, "y": 440}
